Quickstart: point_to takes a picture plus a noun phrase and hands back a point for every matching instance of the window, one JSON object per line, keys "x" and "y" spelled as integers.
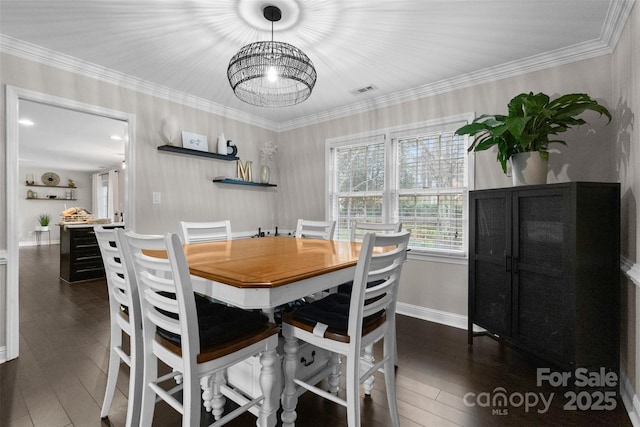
{"x": 359, "y": 184}
{"x": 105, "y": 194}
{"x": 430, "y": 201}
{"x": 417, "y": 175}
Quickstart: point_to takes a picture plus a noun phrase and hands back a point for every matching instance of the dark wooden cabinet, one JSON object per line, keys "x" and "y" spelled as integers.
{"x": 80, "y": 257}
{"x": 544, "y": 270}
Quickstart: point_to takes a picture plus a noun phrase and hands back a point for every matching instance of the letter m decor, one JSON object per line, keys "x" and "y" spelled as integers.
{"x": 244, "y": 172}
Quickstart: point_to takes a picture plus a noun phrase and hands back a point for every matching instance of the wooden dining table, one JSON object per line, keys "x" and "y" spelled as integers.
{"x": 264, "y": 273}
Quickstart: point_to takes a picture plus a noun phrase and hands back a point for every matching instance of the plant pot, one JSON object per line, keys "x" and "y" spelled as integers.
{"x": 44, "y": 228}
{"x": 529, "y": 169}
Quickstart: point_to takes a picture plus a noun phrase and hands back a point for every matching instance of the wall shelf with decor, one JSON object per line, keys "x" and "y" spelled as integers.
{"x": 49, "y": 186}
{"x": 54, "y": 194}
{"x": 190, "y": 152}
{"x": 241, "y": 182}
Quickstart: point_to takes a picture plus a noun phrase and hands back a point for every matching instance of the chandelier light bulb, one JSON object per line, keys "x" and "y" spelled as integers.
{"x": 272, "y": 74}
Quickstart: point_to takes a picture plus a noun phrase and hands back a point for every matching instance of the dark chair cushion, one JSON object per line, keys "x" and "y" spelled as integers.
{"x": 218, "y": 323}
{"x": 333, "y": 311}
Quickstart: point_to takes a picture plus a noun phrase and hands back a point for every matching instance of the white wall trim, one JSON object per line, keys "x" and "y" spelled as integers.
{"x": 44, "y": 242}
{"x": 432, "y": 315}
{"x": 627, "y": 392}
{"x": 3, "y": 354}
{"x": 629, "y": 399}
{"x": 613, "y": 26}
{"x": 631, "y": 270}
{"x": 13, "y": 95}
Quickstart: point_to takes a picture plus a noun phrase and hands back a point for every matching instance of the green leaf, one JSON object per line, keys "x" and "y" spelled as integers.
{"x": 531, "y": 119}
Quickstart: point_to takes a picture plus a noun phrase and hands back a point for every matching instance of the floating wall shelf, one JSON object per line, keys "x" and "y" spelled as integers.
{"x": 50, "y": 186}
{"x": 190, "y": 152}
{"x": 241, "y": 182}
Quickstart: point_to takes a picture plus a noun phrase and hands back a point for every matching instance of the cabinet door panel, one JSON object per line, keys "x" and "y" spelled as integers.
{"x": 490, "y": 249}
{"x": 492, "y": 298}
{"x": 539, "y": 230}
{"x": 491, "y": 228}
{"x": 542, "y": 315}
{"x": 540, "y": 289}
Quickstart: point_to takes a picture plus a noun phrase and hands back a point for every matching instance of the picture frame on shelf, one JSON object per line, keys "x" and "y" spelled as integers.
{"x": 194, "y": 141}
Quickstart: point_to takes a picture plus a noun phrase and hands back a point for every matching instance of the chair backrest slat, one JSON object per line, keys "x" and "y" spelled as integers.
{"x": 359, "y": 229}
{"x": 212, "y": 231}
{"x": 315, "y": 229}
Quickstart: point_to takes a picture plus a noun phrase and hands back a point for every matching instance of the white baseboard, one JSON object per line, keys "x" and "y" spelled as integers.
{"x": 630, "y": 399}
{"x": 44, "y": 243}
{"x": 3, "y": 354}
{"x": 432, "y": 315}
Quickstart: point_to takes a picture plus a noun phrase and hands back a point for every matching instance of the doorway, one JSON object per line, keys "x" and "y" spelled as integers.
{"x": 14, "y": 96}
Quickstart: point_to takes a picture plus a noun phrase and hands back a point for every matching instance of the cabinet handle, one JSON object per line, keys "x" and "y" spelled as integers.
{"x": 313, "y": 359}
{"x": 507, "y": 263}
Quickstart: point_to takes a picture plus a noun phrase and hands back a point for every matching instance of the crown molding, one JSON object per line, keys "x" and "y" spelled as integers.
{"x": 35, "y": 53}
{"x": 613, "y": 26}
{"x": 617, "y": 15}
{"x": 511, "y": 69}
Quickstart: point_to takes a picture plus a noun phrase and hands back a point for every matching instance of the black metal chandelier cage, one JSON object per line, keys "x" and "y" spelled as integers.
{"x": 270, "y": 73}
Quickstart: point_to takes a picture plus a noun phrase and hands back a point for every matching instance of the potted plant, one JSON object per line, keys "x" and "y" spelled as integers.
{"x": 44, "y": 220}
{"x": 525, "y": 133}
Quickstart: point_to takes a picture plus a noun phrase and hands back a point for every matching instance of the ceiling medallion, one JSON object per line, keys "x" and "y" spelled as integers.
{"x": 269, "y": 73}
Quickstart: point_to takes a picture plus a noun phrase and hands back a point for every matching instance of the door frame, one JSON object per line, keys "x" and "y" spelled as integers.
{"x": 13, "y": 95}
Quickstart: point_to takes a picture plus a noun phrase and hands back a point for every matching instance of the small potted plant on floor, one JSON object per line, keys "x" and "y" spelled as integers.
{"x": 524, "y": 134}
{"x": 44, "y": 220}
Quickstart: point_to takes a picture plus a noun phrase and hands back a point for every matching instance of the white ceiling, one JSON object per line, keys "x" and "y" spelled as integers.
{"x": 65, "y": 139}
{"x": 401, "y": 47}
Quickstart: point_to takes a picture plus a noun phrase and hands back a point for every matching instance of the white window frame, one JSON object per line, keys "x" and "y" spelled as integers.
{"x": 390, "y": 208}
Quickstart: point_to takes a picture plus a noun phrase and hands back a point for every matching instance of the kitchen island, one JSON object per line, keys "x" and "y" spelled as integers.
{"x": 80, "y": 258}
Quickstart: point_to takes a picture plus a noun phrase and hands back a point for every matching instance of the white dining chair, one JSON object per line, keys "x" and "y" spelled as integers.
{"x": 211, "y": 231}
{"x": 315, "y": 229}
{"x": 125, "y": 316}
{"x": 358, "y": 231}
{"x": 199, "y": 342}
{"x": 346, "y": 325}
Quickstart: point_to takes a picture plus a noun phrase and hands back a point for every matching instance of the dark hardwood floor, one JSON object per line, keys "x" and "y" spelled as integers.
{"x": 59, "y": 378}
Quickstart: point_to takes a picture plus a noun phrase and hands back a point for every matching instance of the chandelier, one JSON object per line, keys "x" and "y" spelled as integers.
{"x": 271, "y": 74}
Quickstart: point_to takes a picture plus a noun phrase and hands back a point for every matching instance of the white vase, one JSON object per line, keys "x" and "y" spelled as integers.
{"x": 529, "y": 169}
{"x": 222, "y": 144}
{"x": 264, "y": 174}
{"x": 44, "y": 228}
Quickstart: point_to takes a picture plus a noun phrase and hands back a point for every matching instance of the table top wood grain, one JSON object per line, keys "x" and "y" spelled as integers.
{"x": 269, "y": 262}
